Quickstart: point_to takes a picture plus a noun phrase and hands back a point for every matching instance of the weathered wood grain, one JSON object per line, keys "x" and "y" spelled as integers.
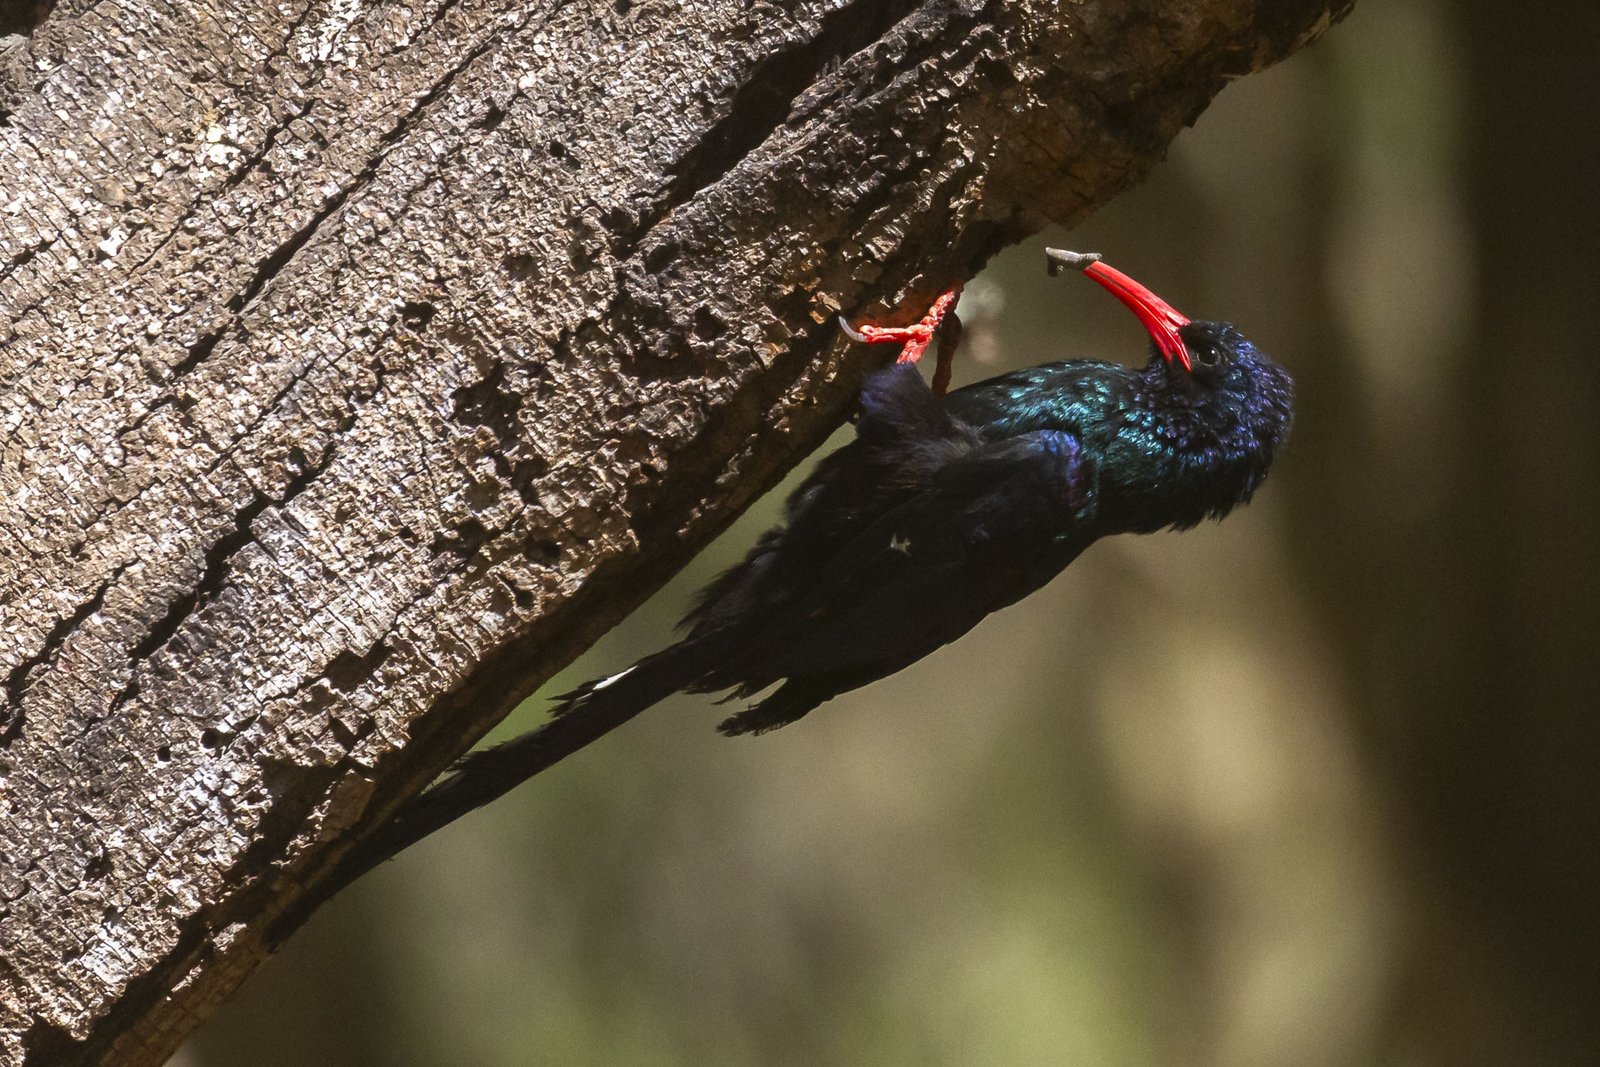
{"x": 363, "y": 362}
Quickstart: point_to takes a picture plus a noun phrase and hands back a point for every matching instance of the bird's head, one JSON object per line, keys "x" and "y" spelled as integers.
{"x": 1225, "y": 403}
{"x": 1232, "y": 387}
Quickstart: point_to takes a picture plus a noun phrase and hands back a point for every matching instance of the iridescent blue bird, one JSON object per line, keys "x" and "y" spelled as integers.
{"x": 942, "y": 510}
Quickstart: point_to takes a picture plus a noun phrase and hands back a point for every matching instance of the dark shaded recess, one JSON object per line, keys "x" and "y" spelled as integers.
{"x": 463, "y": 539}
{"x": 23, "y": 16}
{"x": 763, "y": 102}
{"x": 491, "y": 118}
{"x": 346, "y": 671}
{"x": 99, "y": 865}
{"x": 490, "y": 404}
{"x": 707, "y": 325}
{"x": 521, "y": 266}
{"x": 198, "y": 352}
{"x": 11, "y": 715}
{"x": 541, "y": 551}
{"x": 45, "y": 1043}
{"x": 213, "y": 574}
{"x": 416, "y": 314}
{"x": 347, "y": 737}
{"x": 26, "y": 256}
{"x": 522, "y": 597}
{"x": 525, "y": 475}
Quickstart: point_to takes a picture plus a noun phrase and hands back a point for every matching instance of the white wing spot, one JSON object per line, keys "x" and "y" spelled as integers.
{"x": 614, "y": 679}
{"x": 899, "y": 544}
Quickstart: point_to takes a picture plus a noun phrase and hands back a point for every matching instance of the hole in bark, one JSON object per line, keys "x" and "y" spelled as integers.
{"x": 212, "y": 738}
{"x": 525, "y": 476}
{"x": 417, "y": 314}
{"x": 622, "y": 7}
{"x": 346, "y": 671}
{"x": 164, "y": 754}
{"x": 463, "y": 538}
{"x": 342, "y": 734}
{"x": 99, "y": 866}
{"x": 318, "y": 697}
{"x": 47, "y": 1043}
{"x": 520, "y": 266}
{"x": 491, "y": 118}
{"x": 489, "y": 403}
{"x": 348, "y": 737}
{"x": 580, "y": 256}
{"x": 558, "y": 149}
{"x": 707, "y": 326}
{"x": 544, "y": 552}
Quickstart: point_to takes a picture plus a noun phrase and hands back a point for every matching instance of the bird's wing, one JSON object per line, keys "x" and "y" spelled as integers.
{"x": 986, "y": 530}
{"x": 903, "y": 436}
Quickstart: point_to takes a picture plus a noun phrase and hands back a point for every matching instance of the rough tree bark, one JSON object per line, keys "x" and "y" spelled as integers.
{"x": 362, "y": 363}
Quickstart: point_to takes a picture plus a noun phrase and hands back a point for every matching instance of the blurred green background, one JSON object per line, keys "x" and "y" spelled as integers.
{"x": 1313, "y": 786}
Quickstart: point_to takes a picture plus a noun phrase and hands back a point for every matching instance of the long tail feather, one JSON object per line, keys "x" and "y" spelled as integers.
{"x": 790, "y": 702}
{"x": 584, "y": 715}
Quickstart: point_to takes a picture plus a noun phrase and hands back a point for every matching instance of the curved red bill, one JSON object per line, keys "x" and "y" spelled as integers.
{"x": 1160, "y": 318}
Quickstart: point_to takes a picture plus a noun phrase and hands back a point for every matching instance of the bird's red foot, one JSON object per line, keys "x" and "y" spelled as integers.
{"x": 938, "y": 322}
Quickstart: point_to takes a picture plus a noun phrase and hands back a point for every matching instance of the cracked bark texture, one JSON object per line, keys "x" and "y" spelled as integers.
{"x": 363, "y": 362}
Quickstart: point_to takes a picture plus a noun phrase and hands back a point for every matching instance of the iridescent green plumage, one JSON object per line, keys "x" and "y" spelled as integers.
{"x": 1170, "y": 447}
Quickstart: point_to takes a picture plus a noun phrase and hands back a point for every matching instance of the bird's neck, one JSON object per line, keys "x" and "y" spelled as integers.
{"x": 1173, "y": 454}
{"x": 1188, "y": 451}
{"x": 1166, "y": 450}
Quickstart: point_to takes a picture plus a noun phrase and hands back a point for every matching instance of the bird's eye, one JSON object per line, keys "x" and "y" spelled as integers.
{"x": 1207, "y": 355}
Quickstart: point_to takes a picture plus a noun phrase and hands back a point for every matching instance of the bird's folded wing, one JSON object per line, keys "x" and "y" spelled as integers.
{"x": 903, "y": 437}
{"x": 988, "y": 529}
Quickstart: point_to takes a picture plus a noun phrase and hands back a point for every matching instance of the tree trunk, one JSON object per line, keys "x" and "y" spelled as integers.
{"x": 362, "y": 364}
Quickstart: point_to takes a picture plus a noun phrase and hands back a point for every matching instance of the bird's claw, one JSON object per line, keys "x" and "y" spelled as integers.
{"x": 851, "y": 332}
{"x": 916, "y": 338}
